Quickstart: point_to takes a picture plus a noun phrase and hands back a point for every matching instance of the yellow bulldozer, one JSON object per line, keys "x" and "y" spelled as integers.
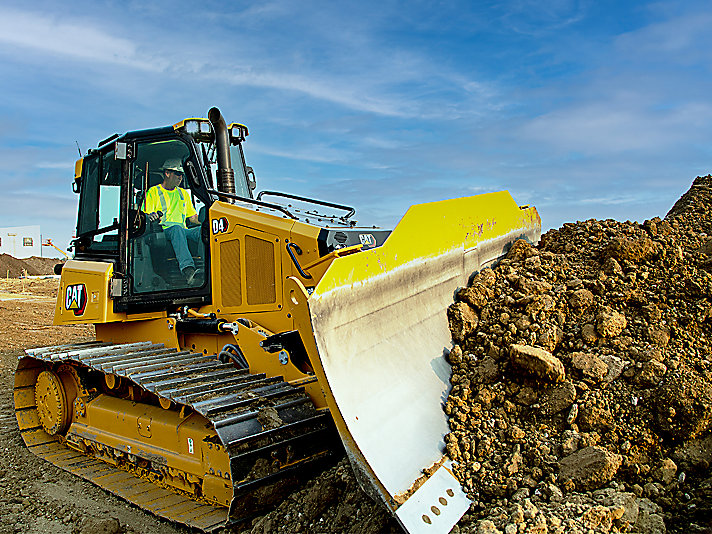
{"x": 244, "y": 339}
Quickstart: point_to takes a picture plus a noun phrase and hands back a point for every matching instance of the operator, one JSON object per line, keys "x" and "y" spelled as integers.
{"x": 177, "y": 209}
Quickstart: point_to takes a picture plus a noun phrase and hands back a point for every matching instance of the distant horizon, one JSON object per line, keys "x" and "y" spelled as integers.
{"x": 582, "y": 109}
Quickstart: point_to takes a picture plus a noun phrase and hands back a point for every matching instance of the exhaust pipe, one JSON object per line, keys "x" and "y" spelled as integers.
{"x": 225, "y": 174}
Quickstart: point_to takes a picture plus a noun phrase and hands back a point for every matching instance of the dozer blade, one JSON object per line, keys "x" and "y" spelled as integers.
{"x": 381, "y": 335}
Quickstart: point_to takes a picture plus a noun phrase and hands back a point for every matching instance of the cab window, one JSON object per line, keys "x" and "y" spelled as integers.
{"x": 97, "y": 225}
{"x": 170, "y": 254}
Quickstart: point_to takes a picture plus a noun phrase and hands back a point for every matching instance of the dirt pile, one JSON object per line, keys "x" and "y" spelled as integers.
{"x": 331, "y": 502}
{"x": 582, "y": 396}
{"x": 11, "y": 267}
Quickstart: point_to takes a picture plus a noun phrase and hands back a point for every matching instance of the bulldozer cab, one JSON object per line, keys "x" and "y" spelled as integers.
{"x": 122, "y": 182}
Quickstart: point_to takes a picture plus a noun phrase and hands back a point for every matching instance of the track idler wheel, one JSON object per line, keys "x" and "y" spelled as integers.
{"x": 52, "y": 406}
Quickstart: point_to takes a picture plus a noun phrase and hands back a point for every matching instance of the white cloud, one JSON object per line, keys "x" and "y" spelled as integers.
{"x": 357, "y": 72}
{"x": 79, "y": 40}
{"x": 621, "y": 117}
{"x": 314, "y": 153}
{"x": 681, "y": 37}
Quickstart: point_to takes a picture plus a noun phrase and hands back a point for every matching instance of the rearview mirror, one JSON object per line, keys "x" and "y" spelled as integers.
{"x": 251, "y": 180}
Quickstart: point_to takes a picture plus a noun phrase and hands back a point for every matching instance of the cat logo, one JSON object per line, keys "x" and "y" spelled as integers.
{"x": 75, "y": 298}
{"x": 367, "y": 240}
{"x": 220, "y": 225}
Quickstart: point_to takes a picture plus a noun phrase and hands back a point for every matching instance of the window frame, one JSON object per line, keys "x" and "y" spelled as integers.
{"x": 160, "y": 300}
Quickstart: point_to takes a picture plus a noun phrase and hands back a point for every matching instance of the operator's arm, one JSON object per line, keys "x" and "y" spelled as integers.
{"x": 193, "y": 219}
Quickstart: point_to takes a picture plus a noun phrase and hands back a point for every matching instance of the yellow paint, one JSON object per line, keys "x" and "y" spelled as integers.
{"x": 429, "y": 230}
{"x": 78, "y": 169}
{"x": 181, "y": 124}
{"x": 155, "y": 330}
{"x": 160, "y": 435}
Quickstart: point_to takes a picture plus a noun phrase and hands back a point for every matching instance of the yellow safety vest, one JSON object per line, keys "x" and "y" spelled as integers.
{"x": 175, "y": 205}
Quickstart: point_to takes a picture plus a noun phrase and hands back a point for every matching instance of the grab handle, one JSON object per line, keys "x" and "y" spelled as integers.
{"x": 291, "y": 249}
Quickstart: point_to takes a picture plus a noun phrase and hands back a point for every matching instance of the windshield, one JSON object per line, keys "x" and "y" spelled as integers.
{"x": 237, "y": 159}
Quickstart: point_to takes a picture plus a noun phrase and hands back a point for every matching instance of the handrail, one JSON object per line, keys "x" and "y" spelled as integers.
{"x": 351, "y": 211}
{"x": 253, "y": 201}
{"x": 295, "y": 247}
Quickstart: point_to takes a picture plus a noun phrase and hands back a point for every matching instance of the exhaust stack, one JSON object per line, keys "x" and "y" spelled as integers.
{"x": 225, "y": 174}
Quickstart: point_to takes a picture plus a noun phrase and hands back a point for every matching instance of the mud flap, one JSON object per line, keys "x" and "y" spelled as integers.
{"x": 381, "y": 335}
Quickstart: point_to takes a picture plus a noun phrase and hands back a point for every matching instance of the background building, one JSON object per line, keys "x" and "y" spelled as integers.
{"x": 21, "y": 241}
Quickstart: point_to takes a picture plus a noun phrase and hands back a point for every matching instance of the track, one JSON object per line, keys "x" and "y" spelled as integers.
{"x": 263, "y": 431}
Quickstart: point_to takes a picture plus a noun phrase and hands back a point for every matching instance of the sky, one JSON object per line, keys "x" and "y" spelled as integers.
{"x": 582, "y": 108}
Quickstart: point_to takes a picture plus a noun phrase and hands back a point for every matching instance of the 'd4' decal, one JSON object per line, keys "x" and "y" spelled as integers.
{"x": 220, "y": 225}
{"x": 75, "y": 298}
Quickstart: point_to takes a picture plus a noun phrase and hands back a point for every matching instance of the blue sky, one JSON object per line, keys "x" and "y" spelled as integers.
{"x": 585, "y": 109}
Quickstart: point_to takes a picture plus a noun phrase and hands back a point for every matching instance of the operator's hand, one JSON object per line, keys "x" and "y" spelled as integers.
{"x": 154, "y": 216}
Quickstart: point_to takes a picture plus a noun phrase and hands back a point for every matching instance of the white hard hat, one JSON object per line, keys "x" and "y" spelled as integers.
{"x": 173, "y": 164}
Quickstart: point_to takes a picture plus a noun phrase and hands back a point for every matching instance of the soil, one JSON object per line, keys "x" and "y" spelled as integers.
{"x": 11, "y": 267}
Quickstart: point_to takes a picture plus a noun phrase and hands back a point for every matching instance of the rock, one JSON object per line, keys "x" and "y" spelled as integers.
{"x": 476, "y": 295}
{"x": 615, "y": 367}
{"x": 597, "y": 517}
{"x": 632, "y": 250}
{"x": 684, "y": 406}
{"x": 486, "y": 277}
{"x": 572, "y": 415}
{"x": 557, "y": 398}
{"x": 659, "y": 335}
{"x": 487, "y": 527}
{"x": 612, "y": 268}
{"x": 593, "y": 417}
{"x": 487, "y": 370}
{"x": 665, "y": 473}
{"x": 649, "y": 519}
{"x": 516, "y": 514}
{"x": 588, "y": 333}
{"x": 549, "y": 337}
{"x": 527, "y": 396}
{"x": 590, "y": 468}
{"x": 650, "y": 374}
{"x": 96, "y": 525}
{"x": 581, "y": 298}
{"x": 555, "y": 494}
{"x": 516, "y": 433}
{"x": 610, "y": 323}
{"x": 696, "y": 453}
{"x": 463, "y": 320}
{"x": 533, "y": 287}
{"x": 706, "y": 248}
{"x": 592, "y": 368}
{"x": 521, "y": 250}
{"x": 540, "y": 303}
{"x": 627, "y": 501}
{"x": 538, "y": 363}
{"x": 514, "y": 463}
